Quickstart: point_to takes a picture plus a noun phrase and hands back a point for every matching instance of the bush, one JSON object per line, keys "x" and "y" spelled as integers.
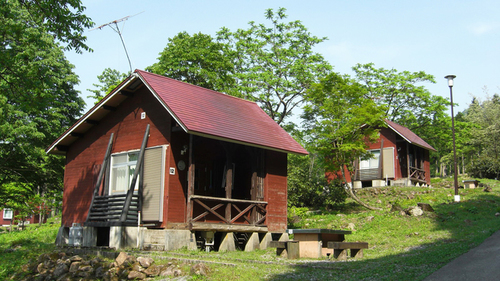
{"x": 484, "y": 167}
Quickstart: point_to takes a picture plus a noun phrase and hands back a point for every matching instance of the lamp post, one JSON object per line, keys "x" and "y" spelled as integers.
{"x": 455, "y": 173}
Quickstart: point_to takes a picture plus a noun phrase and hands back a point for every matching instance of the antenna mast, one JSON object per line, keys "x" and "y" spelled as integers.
{"x": 117, "y": 30}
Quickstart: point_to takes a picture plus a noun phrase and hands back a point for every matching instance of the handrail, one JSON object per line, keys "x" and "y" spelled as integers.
{"x": 229, "y": 200}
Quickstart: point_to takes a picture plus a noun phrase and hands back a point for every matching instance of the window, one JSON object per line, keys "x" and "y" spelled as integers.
{"x": 7, "y": 214}
{"x": 371, "y": 163}
{"x": 122, "y": 172}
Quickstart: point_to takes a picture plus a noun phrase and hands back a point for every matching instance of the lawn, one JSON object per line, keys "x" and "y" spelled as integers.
{"x": 401, "y": 247}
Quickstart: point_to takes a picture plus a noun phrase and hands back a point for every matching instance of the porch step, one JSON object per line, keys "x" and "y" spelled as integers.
{"x": 107, "y": 209}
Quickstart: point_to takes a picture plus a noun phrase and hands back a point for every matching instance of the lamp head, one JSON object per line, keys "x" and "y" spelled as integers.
{"x": 450, "y": 79}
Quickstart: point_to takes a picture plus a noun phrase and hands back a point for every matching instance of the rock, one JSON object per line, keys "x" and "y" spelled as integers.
{"x": 154, "y": 270}
{"x": 379, "y": 201}
{"x": 415, "y": 211}
{"x": 396, "y": 208}
{"x": 497, "y": 214}
{"x": 487, "y": 189}
{"x": 74, "y": 266}
{"x": 41, "y": 269}
{"x": 370, "y": 218}
{"x": 199, "y": 269}
{"x": 137, "y": 267}
{"x": 60, "y": 270}
{"x": 351, "y": 226}
{"x": 120, "y": 259}
{"x": 75, "y": 258}
{"x": 425, "y": 207}
{"x": 136, "y": 275}
{"x": 145, "y": 262}
{"x": 169, "y": 271}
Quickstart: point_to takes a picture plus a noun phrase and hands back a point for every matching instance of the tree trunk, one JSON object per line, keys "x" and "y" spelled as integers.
{"x": 348, "y": 189}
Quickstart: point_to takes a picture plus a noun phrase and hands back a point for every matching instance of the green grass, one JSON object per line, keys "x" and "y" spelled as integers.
{"x": 18, "y": 247}
{"x": 401, "y": 247}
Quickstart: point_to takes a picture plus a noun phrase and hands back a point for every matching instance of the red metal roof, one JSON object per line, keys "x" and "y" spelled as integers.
{"x": 408, "y": 135}
{"x": 199, "y": 111}
{"x": 210, "y": 113}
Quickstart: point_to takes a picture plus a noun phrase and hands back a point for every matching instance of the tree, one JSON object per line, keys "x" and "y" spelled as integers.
{"x": 275, "y": 65}
{"x": 340, "y": 120}
{"x": 484, "y": 136}
{"x": 408, "y": 103}
{"x": 37, "y": 96}
{"x": 109, "y": 79}
{"x": 198, "y": 60}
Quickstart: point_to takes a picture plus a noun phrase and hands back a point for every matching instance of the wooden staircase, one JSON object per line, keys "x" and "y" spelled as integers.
{"x": 107, "y": 211}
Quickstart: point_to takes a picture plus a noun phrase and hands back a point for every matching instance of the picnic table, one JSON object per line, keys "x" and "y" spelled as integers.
{"x": 313, "y": 243}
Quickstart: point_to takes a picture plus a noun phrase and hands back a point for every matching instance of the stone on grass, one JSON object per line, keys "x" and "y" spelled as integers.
{"x": 136, "y": 275}
{"x": 199, "y": 269}
{"x": 415, "y": 211}
{"x": 425, "y": 207}
{"x": 145, "y": 262}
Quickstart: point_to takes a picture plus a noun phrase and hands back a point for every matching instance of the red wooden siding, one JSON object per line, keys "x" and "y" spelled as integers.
{"x": 275, "y": 185}
{"x": 88, "y": 151}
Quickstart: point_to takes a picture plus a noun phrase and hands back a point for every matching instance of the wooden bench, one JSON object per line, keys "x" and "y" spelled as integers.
{"x": 340, "y": 249}
{"x": 289, "y": 249}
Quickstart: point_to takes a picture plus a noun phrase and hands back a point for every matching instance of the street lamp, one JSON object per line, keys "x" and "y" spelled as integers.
{"x": 450, "y": 84}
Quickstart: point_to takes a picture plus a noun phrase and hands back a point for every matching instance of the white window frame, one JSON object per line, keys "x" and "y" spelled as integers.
{"x": 371, "y": 163}
{"x": 128, "y": 176}
{"x": 8, "y": 214}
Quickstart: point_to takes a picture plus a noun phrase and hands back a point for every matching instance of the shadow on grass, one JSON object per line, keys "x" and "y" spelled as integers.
{"x": 465, "y": 225}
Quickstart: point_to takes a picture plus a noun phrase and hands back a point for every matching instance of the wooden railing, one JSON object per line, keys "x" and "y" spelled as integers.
{"x": 227, "y": 211}
{"x": 417, "y": 174}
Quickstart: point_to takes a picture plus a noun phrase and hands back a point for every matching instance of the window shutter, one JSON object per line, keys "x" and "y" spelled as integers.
{"x": 153, "y": 180}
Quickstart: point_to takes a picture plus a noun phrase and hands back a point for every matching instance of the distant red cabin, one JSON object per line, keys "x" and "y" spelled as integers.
{"x": 165, "y": 156}
{"x": 7, "y": 217}
{"x": 400, "y": 157}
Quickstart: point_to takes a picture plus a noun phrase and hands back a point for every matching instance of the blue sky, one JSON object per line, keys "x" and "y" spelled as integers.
{"x": 438, "y": 37}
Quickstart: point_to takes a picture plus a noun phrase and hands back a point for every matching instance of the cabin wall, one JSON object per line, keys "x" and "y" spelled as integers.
{"x": 84, "y": 157}
{"x": 276, "y": 191}
{"x": 427, "y": 166}
{"x": 175, "y": 211}
{"x": 390, "y": 140}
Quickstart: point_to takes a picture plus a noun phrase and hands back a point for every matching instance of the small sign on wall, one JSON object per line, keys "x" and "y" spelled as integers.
{"x": 172, "y": 171}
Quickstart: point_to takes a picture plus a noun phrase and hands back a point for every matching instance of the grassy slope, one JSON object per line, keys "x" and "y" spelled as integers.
{"x": 401, "y": 247}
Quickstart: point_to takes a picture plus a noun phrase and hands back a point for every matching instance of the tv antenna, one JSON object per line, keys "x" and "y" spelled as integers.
{"x": 117, "y": 30}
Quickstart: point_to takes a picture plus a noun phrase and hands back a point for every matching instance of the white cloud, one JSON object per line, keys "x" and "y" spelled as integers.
{"x": 483, "y": 28}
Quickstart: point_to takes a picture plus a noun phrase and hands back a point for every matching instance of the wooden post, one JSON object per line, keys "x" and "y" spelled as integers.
{"x": 104, "y": 168}
{"x": 190, "y": 189}
{"x": 138, "y": 166}
{"x": 381, "y": 160}
{"x": 229, "y": 178}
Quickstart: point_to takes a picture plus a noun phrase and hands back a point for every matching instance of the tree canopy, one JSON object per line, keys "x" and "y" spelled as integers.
{"x": 198, "y": 59}
{"x": 276, "y": 64}
{"x": 37, "y": 96}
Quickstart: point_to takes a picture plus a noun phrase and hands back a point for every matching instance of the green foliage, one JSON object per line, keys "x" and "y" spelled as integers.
{"x": 483, "y": 137}
{"x": 37, "y": 96}
{"x": 339, "y": 119}
{"x": 275, "y": 65}
{"x": 198, "y": 60}
{"x": 19, "y": 247}
{"x": 308, "y": 186}
{"x": 109, "y": 79}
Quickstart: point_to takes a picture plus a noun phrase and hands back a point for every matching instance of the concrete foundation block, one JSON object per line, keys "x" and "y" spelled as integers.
{"x": 89, "y": 236}
{"x": 227, "y": 243}
{"x": 62, "y": 237}
{"x": 378, "y": 183}
{"x": 358, "y": 184}
{"x": 264, "y": 243}
{"x": 123, "y": 237}
{"x": 253, "y": 242}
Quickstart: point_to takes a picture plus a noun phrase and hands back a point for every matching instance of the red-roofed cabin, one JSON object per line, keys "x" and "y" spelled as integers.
{"x": 180, "y": 162}
{"x": 8, "y": 217}
{"x": 400, "y": 157}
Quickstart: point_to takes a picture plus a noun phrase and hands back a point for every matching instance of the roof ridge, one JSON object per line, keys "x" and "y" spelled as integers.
{"x": 193, "y": 85}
